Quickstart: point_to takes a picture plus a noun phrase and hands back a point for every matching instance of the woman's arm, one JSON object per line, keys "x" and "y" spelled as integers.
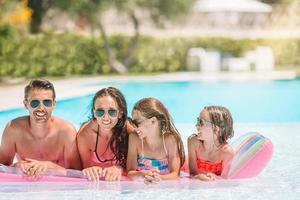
{"x": 83, "y": 144}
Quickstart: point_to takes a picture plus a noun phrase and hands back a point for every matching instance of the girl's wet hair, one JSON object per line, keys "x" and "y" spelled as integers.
{"x": 119, "y": 136}
{"x": 221, "y": 117}
{"x": 151, "y": 107}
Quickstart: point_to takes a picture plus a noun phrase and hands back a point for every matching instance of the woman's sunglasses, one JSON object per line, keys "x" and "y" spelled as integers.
{"x": 46, "y": 102}
{"x": 102, "y": 112}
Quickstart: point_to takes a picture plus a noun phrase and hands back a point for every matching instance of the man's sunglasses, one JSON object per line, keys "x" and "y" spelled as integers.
{"x": 46, "y": 102}
{"x": 202, "y": 122}
{"x": 110, "y": 112}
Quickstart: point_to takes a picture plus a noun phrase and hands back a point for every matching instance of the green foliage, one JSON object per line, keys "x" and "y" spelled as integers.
{"x": 86, "y": 8}
{"x": 66, "y": 54}
{"x": 279, "y": 1}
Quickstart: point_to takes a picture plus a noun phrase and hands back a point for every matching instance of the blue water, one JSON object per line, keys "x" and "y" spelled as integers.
{"x": 260, "y": 101}
{"x": 271, "y": 108}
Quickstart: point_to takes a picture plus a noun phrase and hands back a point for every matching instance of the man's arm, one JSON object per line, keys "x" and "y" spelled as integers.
{"x": 8, "y": 144}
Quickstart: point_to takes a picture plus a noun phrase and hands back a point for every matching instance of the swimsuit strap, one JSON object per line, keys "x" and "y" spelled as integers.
{"x": 165, "y": 148}
{"x": 96, "y": 146}
{"x": 97, "y": 140}
{"x": 142, "y": 153}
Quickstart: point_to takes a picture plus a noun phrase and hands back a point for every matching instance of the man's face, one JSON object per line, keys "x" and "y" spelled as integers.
{"x": 40, "y": 104}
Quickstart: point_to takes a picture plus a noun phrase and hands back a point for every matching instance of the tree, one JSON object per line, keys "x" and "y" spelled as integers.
{"x": 39, "y": 9}
{"x": 92, "y": 10}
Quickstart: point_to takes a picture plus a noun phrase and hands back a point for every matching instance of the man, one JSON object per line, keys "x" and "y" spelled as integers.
{"x": 39, "y": 141}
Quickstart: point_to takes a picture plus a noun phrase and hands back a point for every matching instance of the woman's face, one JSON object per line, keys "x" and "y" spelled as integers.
{"x": 107, "y": 113}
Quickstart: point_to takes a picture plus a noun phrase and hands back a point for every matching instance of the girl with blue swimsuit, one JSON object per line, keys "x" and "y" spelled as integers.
{"x": 156, "y": 151}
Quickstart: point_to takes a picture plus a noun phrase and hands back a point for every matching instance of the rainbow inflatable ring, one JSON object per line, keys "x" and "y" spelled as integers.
{"x": 253, "y": 152}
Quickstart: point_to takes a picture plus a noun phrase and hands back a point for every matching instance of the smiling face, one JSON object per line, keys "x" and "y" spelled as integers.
{"x": 40, "y": 104}
{"x": 205, "y": 127}
{"x": 145, "y": 126}
{"x": 106, "y": 111}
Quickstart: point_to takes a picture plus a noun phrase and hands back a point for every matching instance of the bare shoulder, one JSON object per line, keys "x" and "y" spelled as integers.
{"x": 192, "y": 140}
{"x": 87, "y": 130}
{"x": 227, "y": 151}
{"x": 133, "y": 137}
{"x": 18, "y": 124}
{"x": 64, "y": 127}
{"x": 170, "y": 140}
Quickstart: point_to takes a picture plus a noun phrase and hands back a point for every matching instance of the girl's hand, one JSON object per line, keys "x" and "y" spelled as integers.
{"x": 206, "y": 177}
{"x": 93, "y": 173}
{"x": 112, "y": 173}
{"x": 151, "y": 176}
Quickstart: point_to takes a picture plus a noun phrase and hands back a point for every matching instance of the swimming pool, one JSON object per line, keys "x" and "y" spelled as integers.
{"x": 269, "y": 107}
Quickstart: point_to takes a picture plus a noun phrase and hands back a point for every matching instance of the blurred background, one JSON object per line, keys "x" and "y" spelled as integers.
{"x": 55, "y": 38}
{"x": 241, "y": 54}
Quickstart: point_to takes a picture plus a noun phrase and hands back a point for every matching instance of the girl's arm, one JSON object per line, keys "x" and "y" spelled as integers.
{"x": 193, "y": 145}
{"x": 173, "y": 159}
{"x": 132, "y": 157}
{"x": 192, "y": 156}
{"x": 227, "y": 158}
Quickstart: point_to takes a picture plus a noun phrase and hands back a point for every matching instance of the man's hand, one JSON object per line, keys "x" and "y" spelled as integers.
{"x": 33, "y": 168}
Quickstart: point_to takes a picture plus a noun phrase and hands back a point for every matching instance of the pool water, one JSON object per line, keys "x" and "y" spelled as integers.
{"x": 260, "y": 101}
{"x": 271, "y": 108}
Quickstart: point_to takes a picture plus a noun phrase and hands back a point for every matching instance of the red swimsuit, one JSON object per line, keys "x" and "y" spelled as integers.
{"x": 206, "y": 166}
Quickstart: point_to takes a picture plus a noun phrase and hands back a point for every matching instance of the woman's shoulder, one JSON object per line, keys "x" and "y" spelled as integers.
{"x": 88, "y": 128}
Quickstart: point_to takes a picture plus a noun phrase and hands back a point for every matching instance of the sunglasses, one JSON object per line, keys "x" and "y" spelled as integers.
{"x": 135, "y": 123}
{"x": 202, "y": 122}
{"x": 46, "y": 102}
{"x": 110, "y": 112}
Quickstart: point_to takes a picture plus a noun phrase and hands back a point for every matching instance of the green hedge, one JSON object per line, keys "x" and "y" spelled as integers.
{"x": 67, "y": 54}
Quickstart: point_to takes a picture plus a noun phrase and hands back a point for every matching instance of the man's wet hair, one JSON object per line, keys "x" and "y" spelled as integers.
{"x": 40, "y": 84}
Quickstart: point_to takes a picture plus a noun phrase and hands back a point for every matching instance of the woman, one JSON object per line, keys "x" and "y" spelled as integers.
{"x": 103, "y": 140}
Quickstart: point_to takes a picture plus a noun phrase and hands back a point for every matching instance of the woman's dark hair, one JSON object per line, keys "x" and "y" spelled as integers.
{"x": 151, "y": 107}
{"x": 221, "y": 117}
{"x": 119, "y": 136}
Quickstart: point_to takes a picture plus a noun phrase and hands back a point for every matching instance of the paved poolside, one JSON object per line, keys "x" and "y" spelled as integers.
{"x": 12, "y": 96}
